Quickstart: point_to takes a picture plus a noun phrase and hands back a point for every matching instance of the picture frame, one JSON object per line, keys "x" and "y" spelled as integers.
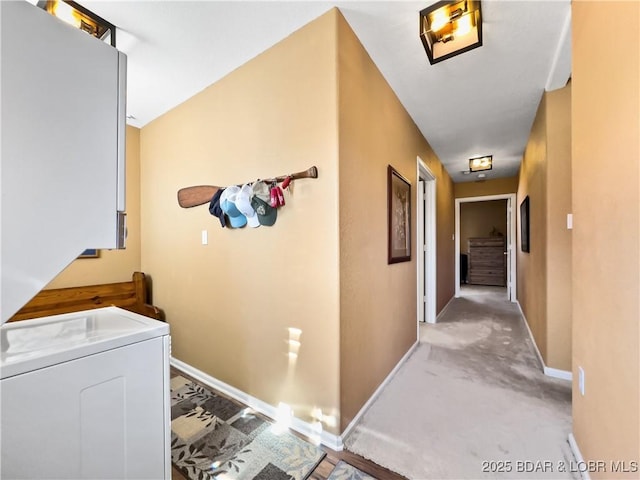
{"x": 90, "y": 253}
{"x": 398, "y": 217}
{"x": 524, "y": 225}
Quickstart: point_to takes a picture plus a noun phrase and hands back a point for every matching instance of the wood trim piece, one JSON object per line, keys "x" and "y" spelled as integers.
{"x": 131, "y": 296}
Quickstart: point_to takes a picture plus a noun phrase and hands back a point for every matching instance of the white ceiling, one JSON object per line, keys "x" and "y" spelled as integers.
{"x": 479, "y": 103}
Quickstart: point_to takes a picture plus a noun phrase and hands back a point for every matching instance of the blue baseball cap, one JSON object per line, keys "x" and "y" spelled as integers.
{"x": 228, "y": 206}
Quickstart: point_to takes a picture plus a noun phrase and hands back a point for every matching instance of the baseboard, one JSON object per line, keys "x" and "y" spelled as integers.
{"x": 304, "y": 428}
{"x": 444, "y": 309}
{"x": 548, "y": 371}
{"x": 556, "y": 373}
{"x": 579, "y": 458}
{"x": 533, "y": 340}
{"x": 375, "y": 394}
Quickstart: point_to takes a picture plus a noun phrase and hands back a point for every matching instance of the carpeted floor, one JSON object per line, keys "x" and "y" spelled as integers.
{"x": 215, "y": 438}
{"x": 471, "y": 401}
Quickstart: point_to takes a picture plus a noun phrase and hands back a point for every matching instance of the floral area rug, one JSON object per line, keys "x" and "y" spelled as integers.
{"x": 213, "y": 437}
{"x": 344, "y": 471}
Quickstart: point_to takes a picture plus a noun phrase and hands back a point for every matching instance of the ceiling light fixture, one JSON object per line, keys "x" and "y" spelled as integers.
{"x": 450, "y": 28}
{"x": 479, "y": 164}
{"x": 78, "y": 16}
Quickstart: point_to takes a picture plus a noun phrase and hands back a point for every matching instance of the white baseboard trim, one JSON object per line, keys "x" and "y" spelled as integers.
{"x": 533, "y": 340}
{"x": 305, "y": 428}
{"x": 444, "y": 309}
{"x": 548, "y": 371}
{"x": 579, "y": 458}
{"x": 556, "y": 373}
{"x": 373, "y": 397}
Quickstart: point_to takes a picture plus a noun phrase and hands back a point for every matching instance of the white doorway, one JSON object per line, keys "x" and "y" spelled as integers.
{"x": 511, "y": 240}
{"x": 426, "y": 243}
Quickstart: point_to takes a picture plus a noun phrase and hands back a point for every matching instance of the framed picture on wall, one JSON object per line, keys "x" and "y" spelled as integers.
{"x": 90, "y": 253}
{"x": 524, "y": 224}
{"x": 399, "y": 217}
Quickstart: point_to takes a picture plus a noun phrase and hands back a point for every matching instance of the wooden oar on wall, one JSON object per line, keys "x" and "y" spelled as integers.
{"x": 200, "y": 194}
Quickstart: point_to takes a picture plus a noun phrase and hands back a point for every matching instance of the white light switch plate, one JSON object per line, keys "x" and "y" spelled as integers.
{"x": 569, "y": 221}
{"x": 581, "y": 380}
{"x": 205, "y": 237}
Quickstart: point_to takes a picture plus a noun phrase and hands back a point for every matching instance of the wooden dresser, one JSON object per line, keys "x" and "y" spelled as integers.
{"x": 487, "y": 261}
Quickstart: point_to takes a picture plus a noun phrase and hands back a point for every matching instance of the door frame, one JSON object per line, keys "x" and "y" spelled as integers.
{"x": 426, "y": 264}
{"x": 511, "y": 239}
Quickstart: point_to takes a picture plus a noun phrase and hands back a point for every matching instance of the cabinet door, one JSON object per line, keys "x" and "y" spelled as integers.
{"x": 62, "y": 119}
{"x": 103, "y": 416}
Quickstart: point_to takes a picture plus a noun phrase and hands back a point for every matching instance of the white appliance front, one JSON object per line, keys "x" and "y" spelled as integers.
{"x": 85, "y": 396}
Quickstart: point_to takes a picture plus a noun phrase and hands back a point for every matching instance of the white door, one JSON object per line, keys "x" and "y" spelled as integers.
{"x": 421, "y": 253}
{"x": 426, "y": 244}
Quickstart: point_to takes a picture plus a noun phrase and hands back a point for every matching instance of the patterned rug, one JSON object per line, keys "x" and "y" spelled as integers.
{"x": 344, "y": 471}
{"x": 216, "y": 438}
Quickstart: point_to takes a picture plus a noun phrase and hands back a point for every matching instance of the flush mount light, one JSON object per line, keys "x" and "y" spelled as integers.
{"x": 78, "y": 16}
{"x": 450, "y": 28}
{"x": 479, "y": 164}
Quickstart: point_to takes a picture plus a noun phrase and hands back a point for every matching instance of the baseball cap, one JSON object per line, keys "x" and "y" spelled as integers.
{"x": 261, "y": 190}
{"x": 227, "y": 203}
{"x": 214, "y": 207}
{"x": 243, "y": 204}
{"x": 260, "y": 202}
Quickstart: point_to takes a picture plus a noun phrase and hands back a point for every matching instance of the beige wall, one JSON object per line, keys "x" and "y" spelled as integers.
{"x": 316, "y": 97}
{"x": 606, "y": 235}
{"x": 113, "y": 265}
{"x": 499, "y": 186}
{"x": 478, "y": 219}
{"x": 445, "y": 231}
{"x": 559, "y": 309}
{"x": 377, "y": 300}
{"x": 532, "y": 266}
{"x": 230, "y": 303}
{"x": 544, "y": 274}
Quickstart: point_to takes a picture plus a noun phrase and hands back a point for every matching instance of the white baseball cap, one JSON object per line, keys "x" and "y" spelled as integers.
{"x": 243, "y": 204}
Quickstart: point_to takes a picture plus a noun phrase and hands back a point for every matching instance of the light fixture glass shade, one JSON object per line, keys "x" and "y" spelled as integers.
{"x": 449, "y": 28}
{"x": 75, "y": 14}
{"x": 479, "y": 164}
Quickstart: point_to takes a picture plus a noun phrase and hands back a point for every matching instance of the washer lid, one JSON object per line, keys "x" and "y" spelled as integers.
{"x": 33, "y": 344}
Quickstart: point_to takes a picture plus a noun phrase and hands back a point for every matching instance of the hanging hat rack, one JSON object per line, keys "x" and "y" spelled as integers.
{"x": 200, "y": 194}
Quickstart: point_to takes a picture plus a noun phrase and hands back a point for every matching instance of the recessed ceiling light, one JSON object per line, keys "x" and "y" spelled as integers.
{"x": 465, "y": 172}
{"x": 481, "y": 175}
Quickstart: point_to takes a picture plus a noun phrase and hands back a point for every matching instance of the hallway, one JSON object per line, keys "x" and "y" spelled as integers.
{"x": 471, "y": 401}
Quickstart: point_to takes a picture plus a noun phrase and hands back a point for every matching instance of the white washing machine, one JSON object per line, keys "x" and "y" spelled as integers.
{"x": 85, "y": 396}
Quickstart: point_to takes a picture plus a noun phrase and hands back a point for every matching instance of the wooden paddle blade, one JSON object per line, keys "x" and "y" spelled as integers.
{"x": 193, "y": 196}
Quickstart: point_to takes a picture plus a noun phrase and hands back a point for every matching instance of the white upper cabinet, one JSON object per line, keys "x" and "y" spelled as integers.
{"x": 62, "y": 146}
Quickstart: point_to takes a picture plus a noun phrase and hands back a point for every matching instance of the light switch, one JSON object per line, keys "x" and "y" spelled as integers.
{"x": 205, "y": 237}
{"x": 569, "y": 221}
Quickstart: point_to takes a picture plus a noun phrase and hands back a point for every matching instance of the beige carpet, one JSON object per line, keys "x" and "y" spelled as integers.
{"x": 471, "y": 401}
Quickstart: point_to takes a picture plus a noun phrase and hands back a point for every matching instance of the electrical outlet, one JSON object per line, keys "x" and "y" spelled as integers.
{"x": 581, "y": 380}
